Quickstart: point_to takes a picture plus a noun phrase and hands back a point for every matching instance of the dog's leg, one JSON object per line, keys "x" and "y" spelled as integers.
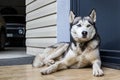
{"x": 75, "y": 66}
{"x": 94, "y": 58}
{"x": 78, "y": 65}
{"x": 38, "y": 61}
{"x": 68, "y": 60}
{"x": 58, "y": 52}
{"x": 81, "y": 62}
{"x": 53, "y": 68}
{"x": 97, "y": 71}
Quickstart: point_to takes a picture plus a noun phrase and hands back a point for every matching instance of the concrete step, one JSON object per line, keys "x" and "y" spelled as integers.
{"x": 16, "y": 61}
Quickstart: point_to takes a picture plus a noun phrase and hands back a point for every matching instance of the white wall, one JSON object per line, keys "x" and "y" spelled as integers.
{"x": 47, "y": 24}
{"x": 41, "y": 20}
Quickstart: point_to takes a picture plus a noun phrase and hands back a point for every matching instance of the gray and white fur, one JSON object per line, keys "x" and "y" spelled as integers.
{"x": 82, "y": 51}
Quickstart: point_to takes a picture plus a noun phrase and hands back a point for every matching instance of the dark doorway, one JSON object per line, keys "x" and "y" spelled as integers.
{"x": 8, "y": 10}
{"x": 13, "y": 14}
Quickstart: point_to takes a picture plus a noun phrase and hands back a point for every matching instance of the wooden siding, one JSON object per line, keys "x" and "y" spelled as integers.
{"x": 34, "y": 50}
{"x": 41, "y": 32}
{"x": 47, "y": 10}
{"x": 40, "y": 25}
{"x": 42, "y": 22}
{"x": 40, "y": 42}
{"x": 37, "y": 4}
{"x": 29, "y": 1}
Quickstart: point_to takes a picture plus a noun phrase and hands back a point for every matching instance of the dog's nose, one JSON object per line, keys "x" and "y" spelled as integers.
{"x": 84, "y": 33}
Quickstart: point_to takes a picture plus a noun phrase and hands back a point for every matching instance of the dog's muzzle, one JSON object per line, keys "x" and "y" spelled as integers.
{"x": 84, "y": 34}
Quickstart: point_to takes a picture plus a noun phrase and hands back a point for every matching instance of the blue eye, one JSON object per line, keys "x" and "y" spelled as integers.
{"x": 79, "y": 25}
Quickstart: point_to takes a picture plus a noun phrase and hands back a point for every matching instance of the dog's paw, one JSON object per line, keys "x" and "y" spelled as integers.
{"x": 49, "y": 62}
{"x": 48, "y": 70}
{"x": 98, "y": 72}
{"x": 37, "y": 65}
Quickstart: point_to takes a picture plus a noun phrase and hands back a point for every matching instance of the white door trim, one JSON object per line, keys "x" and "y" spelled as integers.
{"x": 63, "y": 26}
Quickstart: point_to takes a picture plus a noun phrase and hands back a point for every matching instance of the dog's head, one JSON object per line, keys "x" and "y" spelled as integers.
{"x": 83, "y": 29}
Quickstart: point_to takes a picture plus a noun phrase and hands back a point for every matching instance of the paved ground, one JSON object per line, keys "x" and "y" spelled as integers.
{"x": 13, "y": 52}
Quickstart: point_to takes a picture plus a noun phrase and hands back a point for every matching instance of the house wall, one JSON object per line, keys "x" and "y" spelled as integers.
{"x": 40, "y": 25}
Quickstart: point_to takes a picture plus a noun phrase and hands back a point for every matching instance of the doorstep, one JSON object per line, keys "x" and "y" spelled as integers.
{"x": 16, "y": 61}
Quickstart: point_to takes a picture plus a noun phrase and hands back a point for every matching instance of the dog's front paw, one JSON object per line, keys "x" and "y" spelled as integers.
{"x": 37, "y": 64}
{"x": 48, "y": 70}
{"x": 49, "y": 62}
{"x": 98, "y": 72}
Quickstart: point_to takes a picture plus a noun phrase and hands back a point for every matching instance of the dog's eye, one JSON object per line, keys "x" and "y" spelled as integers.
{"x": 79, "y": 25}
{"x": 88, "y": 25}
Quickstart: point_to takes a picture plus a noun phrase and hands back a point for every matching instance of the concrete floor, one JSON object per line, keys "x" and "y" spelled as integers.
{"x": 13, "y": 52}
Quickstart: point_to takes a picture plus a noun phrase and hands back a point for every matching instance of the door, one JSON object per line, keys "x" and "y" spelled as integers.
{"x": 108, "y": 25}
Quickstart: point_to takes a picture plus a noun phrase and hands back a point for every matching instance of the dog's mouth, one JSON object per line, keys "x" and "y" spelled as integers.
{"x": 85, "y": 36}
{"x": 83, "y": 39}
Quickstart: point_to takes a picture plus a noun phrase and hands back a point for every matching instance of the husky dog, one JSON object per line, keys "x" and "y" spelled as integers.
{"x": 81, "y": 52}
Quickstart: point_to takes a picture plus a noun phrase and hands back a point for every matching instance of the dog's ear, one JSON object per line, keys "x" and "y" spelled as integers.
{"x": 93, "y": 15}
{"x": 71, "y": 17}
